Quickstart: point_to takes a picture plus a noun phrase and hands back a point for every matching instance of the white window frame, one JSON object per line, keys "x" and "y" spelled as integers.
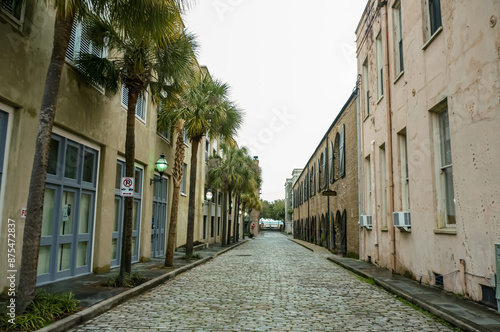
{"x": 141, "y": 100}
{"x": 398, "y": 39}
{"x": 380, "y": 67}
{"x": 368, "y": 186}
{"x": 17, "y": 22}
{"x": 383, "y": 185}
{"x": 404, "y": 171}
{"x": 183, "y": 181}
{"x": 443, "y": 198}
{"x": 428, "y": 33}
{"x": 10, "y": 111}
{"x": 366, "y": 88}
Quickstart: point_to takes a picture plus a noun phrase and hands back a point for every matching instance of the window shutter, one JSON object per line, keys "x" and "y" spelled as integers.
{"x": 325, "y": 169}
{"x": 73, "y": 39}
{"x": 332, "y": 177}
{"x": 139, "y": 108}
{"x": 8, "y": 5}
{"x": 319, "y": 181}
{"x": 342, "y": 152}
{"x": 124, "y": 96}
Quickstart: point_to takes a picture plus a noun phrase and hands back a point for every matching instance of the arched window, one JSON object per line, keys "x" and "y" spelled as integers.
{"x": 321, "y": 171}
{"x": 342, "y": 152}
{"x": 325, "y": 170}
{"x": 336, "y": 156}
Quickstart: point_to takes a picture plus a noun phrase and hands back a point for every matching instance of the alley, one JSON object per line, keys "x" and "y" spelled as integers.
{"x": 267, "y": 284}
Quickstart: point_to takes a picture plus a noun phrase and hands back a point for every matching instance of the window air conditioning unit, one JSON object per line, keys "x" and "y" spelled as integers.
{"x": 365, "y": 221}
{"x": 402, "y": 220}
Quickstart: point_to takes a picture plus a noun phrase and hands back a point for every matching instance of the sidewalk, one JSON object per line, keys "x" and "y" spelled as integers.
{"x": 97, "y": 299}
{"x": 467, "y": 315}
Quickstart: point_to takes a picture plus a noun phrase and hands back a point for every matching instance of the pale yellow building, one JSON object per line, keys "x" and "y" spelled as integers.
{"x": 83, "y": 208}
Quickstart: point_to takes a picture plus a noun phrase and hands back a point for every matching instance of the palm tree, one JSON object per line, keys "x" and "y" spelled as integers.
{"x": 141, "y": 62}
{"x": 250, "y": 201}
{"x": 66, "y": 13}
{"x": 205, "y": 108}
{"x": 235, "y": 173}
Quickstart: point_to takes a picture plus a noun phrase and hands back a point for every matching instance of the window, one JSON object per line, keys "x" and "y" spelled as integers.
{"x": 10, "y": 7}
{"x": 405, "y": 178}
{"x": 79, "y": 42}
{"x": 183, "y": 182}
{"x": 342, "y": 153}
{"x": 444, "y": 169}
{"x": 214, "y": 147}
{"x": 433, "y": 17}
{"x": 184, "y": 136}
{"x": 398, "y": 38}
{"x": 325, "y": 170}
{"x": 368, "y": 186}
{"x": 318, "y": 173}
{"x": 140, "y": 107}
{"x": 332, "y": 160}
{"x": 366, "y": 87}
{"x": 207, "y": 149}
{"x": 380, "y": 67}
{"x": 383, "y": 186}
{"x": 165, "y": 133}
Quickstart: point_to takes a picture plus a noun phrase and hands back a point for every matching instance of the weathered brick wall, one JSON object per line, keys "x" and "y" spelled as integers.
{"x": 314, "y": 212}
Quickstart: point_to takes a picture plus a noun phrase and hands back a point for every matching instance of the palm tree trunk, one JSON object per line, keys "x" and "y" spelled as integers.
{"x": 192, "y": 196}
{"x": 243, "y": 219}
{"x": 230, "y": 216}
{"x": 177, "y": 177}
{"x": 236, "y": 219}
{"x": 126, "y": 257}
{"x": 33, "y": 222}
{"x": 224, "y": 218}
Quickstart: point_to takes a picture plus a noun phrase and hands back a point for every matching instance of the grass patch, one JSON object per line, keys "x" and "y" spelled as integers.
{"x": 193, "y": 256}
{"x": 367, "y": 280}
{"x": 130, "y": 280}
{"x": 429, "y": 314}
{"x": 45, "y": 309}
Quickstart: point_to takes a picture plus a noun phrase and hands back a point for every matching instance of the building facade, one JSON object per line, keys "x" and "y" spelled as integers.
{"x": 289, "y": 183}
{"x": 325, "y": 196}
{"x": 83, "y": 209}
{"x": 429, "y": 119}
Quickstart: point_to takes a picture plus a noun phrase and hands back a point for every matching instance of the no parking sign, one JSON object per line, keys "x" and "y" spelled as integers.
{"x": 127, "y": 187}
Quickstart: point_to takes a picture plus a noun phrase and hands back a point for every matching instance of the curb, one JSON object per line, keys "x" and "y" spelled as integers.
{"x": 88, "y": 313}
{"x": 450, "y": 318}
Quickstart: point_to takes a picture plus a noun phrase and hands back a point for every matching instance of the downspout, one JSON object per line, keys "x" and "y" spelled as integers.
{"x": 360, "y": 187}
{"x": 389, "y": 136}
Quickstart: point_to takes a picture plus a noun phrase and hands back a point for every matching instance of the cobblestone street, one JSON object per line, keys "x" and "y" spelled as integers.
{"x": 266, "y": 284}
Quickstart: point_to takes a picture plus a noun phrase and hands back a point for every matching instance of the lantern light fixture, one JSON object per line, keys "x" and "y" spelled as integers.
{"x": 161, "y": 166}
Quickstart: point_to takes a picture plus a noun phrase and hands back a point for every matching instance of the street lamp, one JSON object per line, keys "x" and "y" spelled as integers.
{"x": 209, "y": 194}
{"x": 161, "y": 166}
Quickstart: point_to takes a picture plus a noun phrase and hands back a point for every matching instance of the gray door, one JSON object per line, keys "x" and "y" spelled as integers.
{"x": 116, "y": 239}
{"x": 159, "y": 222}
{"x": 68, "y": 211}
{"x": 4, "y": 117}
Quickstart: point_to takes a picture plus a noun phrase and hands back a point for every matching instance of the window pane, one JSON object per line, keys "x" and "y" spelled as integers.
{"x": 114, "y": 245}
{"x": 43, "y": 260}
{"x": 53, "y": 156}
{"x": 85, "y": 209}
{"x": 135, "y": 215}
{"x": 137, "y": 184}
{"x": 118, "y": 176}
{"x": 81, "y": 254}
{"x": 88, "y": 167}
{"x": 63, "y": 257}
{"x": 67, "y": 206}
{"x": 117, "y": 215}
{"x": 71, "y": 163}
{"x": 48, "y": 212}
{"x": 444, "y": 133}
{"x": 450, "y": 196}
{"x": 134, "y": 245}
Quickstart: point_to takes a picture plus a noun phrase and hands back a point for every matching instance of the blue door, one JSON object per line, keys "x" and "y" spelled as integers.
{"x": 159, "y": 221}
{"x": 116, "y": 240}
{"x": 4, "y": 118}
{"x": 68, "y": 211}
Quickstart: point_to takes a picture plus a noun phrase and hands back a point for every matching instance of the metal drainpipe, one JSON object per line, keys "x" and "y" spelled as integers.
{"x": 389, "y": 136}
{"x": 360, "y": 187}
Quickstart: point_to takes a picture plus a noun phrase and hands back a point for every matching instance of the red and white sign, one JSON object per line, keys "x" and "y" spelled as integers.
{"x": 253, "y": 225}
{"x": 23, "y": 213}
{"x": 127, "y": 187}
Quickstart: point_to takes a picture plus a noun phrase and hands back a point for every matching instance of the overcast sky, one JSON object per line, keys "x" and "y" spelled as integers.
{"x": 291, "y": 66}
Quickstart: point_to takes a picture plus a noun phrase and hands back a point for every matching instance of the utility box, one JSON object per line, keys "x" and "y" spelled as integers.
{"x": 497, "y": 261}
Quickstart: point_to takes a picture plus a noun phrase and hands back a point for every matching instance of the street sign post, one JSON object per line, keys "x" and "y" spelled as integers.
{"x": 127, "y": 187}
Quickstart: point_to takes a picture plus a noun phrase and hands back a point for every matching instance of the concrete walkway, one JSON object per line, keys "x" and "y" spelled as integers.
{"x": 96, "y": 299}
{"x": 467, "y": 315}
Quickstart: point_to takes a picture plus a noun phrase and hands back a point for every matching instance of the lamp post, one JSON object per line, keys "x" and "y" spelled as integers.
{"x": 161, "y": 166}
{"x": 209, "y": 194}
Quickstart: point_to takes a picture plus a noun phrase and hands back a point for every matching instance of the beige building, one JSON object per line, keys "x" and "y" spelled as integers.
{"x": 83, "y": 209}
{"x": 289, "y": 183}
{"x": 429, "y": 118}
{"x": 325, "y": 194}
